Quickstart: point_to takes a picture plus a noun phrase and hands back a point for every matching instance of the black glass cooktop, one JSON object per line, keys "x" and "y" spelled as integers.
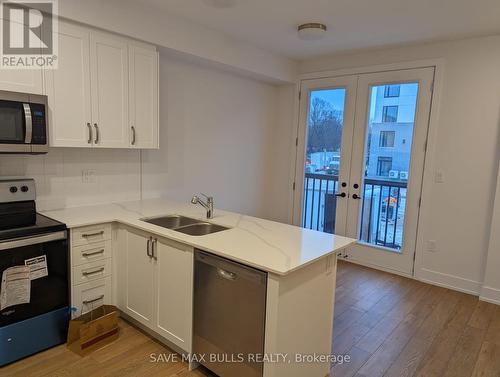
{"x": 43, "y": 224}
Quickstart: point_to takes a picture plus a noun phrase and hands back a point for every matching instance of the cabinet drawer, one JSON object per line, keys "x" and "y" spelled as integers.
{"x": 90, "y": 253}
{"x": 90, "y": 234}
{"x": 91, "y": 295}
{"x": 91, "y": 271}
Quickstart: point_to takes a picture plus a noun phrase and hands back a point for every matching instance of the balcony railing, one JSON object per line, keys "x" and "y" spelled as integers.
{"x": 382, "y": 208}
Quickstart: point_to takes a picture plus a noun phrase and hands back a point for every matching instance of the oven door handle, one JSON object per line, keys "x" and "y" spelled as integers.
{"x": 27, "y": 241}
{"x": 28, "y": 121}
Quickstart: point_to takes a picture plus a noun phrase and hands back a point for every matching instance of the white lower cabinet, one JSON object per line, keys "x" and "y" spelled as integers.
{"x": 174, "y": 292}
{"x": 135, "y": 277}
{"x": 91, "y": 268}
{"x": 154, "y": 285}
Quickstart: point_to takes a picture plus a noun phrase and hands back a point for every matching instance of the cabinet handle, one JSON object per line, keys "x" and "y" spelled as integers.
{"x": 93, "y": 253}
{"x": 154, "y": 249}
{"x": 133, "y": 135}
{"x": 149, "y": 244}
{"x": 96, "y": 133}
{"x": 89, "y": 141}
{"x": 87, "y": 273}
{"x": 86, "y": 302}
{"x": 85, "y": 235}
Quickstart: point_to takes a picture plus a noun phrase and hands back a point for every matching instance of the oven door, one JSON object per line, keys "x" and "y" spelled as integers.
{"x": 50, "y": 291}
{"x": 15, "y": 126}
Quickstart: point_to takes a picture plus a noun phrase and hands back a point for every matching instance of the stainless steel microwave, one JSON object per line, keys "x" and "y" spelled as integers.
{"x": 23, "y": 123}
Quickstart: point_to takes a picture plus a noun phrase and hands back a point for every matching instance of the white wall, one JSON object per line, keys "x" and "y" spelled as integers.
{"x": 491, "y": 289}
{"x": 131, "y": 18}
{"x": 465, "y": 151}
{"x": 219, "y": 134}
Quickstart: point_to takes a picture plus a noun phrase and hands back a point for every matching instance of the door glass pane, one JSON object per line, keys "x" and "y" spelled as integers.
{"x": 323, "y": 141}
{"x": 390, "y": 125}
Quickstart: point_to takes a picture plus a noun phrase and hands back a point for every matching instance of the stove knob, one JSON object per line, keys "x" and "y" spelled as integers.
{"x": 24, "y": 188}
{"x": 13, "y": 189}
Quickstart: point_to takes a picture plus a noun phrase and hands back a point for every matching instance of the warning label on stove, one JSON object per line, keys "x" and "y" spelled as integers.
{"x": 38, "y": 267}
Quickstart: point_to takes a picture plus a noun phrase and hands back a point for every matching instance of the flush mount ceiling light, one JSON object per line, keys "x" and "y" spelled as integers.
{"x": 311, "y": 31}
{"x": 221, "y": 3}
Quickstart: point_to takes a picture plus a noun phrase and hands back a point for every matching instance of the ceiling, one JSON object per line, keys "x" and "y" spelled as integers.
{"x": 352, "y": 24}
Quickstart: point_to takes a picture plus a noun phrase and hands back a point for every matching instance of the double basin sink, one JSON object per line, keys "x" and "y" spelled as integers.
{"x": 186, "y": 225}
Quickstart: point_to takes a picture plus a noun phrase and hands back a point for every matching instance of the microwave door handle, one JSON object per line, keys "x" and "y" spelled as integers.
{"x": 29, "y": 123}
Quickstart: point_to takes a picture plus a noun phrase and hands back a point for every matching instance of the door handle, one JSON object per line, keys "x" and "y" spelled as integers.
{"x": 89, "y": 141}
{"x": 342, "y": 195}
{"x": 133, "y": 135}
{"x": 96, "y": 133}
{"x": 356, "y": 196}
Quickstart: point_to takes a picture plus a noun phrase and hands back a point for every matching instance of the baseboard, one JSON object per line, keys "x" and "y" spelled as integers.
{"x": 491, "y": 295}
{"x": 376, "y": 267}
{"x": 449, "y": 281}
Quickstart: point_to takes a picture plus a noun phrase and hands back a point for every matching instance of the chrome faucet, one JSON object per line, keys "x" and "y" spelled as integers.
{"x": 209, "y": 205}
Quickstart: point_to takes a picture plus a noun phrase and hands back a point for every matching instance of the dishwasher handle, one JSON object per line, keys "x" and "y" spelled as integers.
{"x": 226, "y": 274}
{"x": 228, "y": 269}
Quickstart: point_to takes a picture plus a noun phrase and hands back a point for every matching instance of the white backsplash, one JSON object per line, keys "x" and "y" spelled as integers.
{"x": 58, "y": 175}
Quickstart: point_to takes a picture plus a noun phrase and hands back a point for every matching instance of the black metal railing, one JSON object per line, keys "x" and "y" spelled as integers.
{"x": 382, "y": 208}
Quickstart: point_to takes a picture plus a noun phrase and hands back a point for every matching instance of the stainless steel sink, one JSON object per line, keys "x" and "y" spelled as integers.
{"x": 171, "y": 221}
{"x": 201, "y": 229}
{"x": 186, "y": 225}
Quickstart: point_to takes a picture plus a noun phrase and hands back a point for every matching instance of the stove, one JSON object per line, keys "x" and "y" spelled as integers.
{"x": 34, "y": 272}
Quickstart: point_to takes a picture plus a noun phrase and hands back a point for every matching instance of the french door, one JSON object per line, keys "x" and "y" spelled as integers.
{"x": 360, "y": 163}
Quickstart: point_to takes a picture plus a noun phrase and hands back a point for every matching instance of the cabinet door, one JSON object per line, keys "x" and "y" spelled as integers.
{"x": 136, "y": 280}
{"x": 20, "y": 80}
{"x": 109, "y": 83}
{"x": 174, "y": 293}
{"x": 143, "y": 96}
{"x": 68, "y": 90}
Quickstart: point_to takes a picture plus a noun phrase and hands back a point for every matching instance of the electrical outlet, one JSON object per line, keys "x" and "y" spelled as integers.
{"x": 88, "y": 176}
{"x": 431, "y": 246}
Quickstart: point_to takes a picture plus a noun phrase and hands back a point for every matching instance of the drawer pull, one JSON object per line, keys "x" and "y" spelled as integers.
{"x": 85, "y": 235}
{"x": 86, "y": 302}
{"x": 93, "y": 253}
{"x": 87, "y": 273}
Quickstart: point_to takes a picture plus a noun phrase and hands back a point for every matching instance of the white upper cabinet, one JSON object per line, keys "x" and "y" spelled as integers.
{"x": 104, "y": 92}
{"x": 109, "y": 82}
{"x": 21, "y": 80}
{"x": 143, "y": 96}
{"x": 68, "y": 90}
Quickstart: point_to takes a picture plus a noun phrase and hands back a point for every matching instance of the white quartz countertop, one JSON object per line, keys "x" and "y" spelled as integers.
{"x": 268, "y": 245}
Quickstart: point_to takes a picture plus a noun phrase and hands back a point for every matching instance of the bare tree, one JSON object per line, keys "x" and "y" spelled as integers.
{"x": 325, "y": 127}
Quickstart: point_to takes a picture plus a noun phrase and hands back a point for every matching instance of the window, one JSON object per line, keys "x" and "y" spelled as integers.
{"x": 391, "y": 91}
{"x": 390, "y": 114}
{"x": 384, "y": 165}
{"x": 386, "y": 139}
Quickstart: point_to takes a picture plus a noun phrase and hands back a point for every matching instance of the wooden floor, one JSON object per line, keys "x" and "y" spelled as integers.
{"x": 388, "y": 325}
{"x": 395, "y": 327}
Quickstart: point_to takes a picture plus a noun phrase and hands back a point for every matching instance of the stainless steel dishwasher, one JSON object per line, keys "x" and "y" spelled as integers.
{"x": 229, "y": 315}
